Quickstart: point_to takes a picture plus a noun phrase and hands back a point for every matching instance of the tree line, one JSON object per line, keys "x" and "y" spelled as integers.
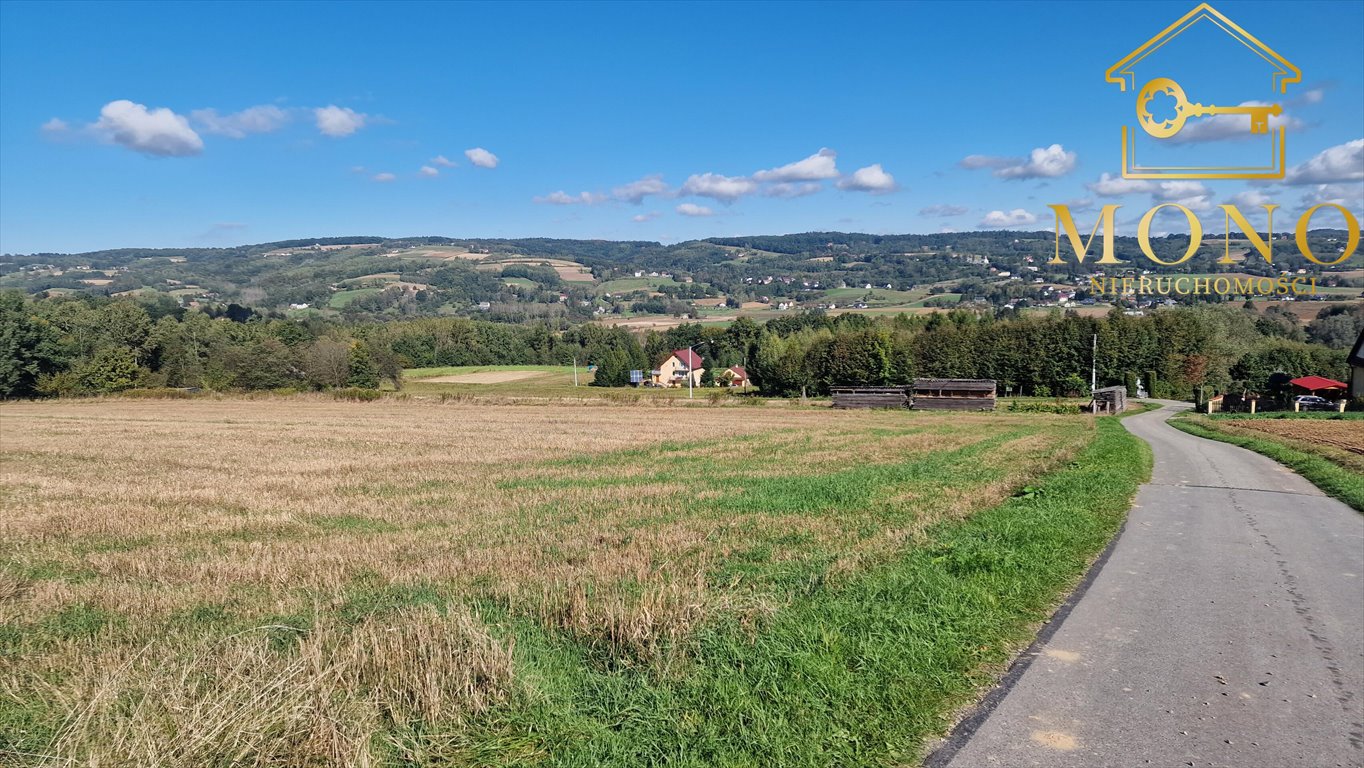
{"x": 90, "y": 345}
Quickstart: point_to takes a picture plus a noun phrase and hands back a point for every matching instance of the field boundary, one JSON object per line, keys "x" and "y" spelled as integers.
{"x": 1332, "y": 478}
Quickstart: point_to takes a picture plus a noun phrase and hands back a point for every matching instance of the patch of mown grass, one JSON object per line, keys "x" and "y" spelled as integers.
{"x": 860, "y": 670}
{"x": 1338, "y": 481}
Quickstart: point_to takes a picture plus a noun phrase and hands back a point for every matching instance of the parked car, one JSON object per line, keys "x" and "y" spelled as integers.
{"x": 1314, "y": 403}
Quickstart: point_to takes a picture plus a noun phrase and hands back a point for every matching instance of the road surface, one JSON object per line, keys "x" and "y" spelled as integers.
{"x": 1225, "y": 629}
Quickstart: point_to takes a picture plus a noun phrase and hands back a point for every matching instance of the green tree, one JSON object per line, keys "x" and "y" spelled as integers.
{"x": 29, "y": 347}
{"x": 361, "y": 371}
{"x": 112, "y": 369}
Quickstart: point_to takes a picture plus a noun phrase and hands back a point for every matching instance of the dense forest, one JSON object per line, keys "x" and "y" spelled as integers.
{"x": 91, "y": 345}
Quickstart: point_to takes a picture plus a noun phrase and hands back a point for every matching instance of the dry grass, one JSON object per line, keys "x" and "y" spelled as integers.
{"x": 606, "y": 523}
{"x": 1339, "y": 440}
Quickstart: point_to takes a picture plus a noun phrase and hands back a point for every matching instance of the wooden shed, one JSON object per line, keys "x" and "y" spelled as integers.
{"x": 870, "y": 397}
{"x": 954, "y": 394}
{"x": 1109, "y": 400}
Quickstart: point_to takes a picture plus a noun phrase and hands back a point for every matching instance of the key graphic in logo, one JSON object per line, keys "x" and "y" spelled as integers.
{"x": 1179, "y": 139}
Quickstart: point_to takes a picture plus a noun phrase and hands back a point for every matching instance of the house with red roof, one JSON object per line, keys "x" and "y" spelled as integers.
{"x": 680, "y": 365}
{"x": 733, "y": 376}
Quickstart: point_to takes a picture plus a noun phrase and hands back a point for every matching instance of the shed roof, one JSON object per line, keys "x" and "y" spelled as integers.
{"x": 968, "y": 385}
{"x": 1314, "y": 383}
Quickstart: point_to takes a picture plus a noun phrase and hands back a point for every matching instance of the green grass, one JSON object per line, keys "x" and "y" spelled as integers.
{"x": 342, "y": 299}
{"x": 557, "y": 382}
{"x": 1332, "y": 478}
{"x": 861, "y": 670}
{"x": 628, "y": 284}
{"x": 521, "y": 282}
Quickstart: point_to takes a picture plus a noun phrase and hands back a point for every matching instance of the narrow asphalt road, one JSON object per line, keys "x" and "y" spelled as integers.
{"x": 1225, "y": 629}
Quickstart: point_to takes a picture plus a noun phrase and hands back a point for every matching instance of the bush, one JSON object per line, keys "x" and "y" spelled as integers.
{"x": 1022, "y": 406}
{"x": 357, "y": 394}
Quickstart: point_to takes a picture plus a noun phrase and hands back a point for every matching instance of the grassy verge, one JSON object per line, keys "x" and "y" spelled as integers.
{"x": 859, "y": 670}
{"x": 1335, "y": 479}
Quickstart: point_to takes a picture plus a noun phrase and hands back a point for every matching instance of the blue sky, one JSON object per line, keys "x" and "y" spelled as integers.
{"x": 203, "y": 124}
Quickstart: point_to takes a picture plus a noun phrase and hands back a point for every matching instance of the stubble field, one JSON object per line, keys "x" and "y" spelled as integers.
{"x": 300, "y": 582}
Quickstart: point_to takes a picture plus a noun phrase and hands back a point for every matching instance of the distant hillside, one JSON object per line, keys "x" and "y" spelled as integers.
{"x": 518, "y": 279}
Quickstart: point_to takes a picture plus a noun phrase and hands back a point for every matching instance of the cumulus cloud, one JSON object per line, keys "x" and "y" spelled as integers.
{"x": 944, "y": 211}
{"x": 691, "y": 209}
{"x": 1041, "y": 163}
{"x": 481, "y": 157}
{"x": 873, "y": 179}
{"x": 1190, "y": 194}
{"x": 1015, "y": 218}
{"x": 726, "y": 189}
{"x": 563, "y": 198}
{"x": 337, "y": 121}
{"x": 443, "y": 161}
{"x": 54, "y": 127}
{"x": 1251, "y": 198}
{"x": 1347, "y": 195}
{"x": 158, "y": 132}
{"x": 237, "y": 125}
{"x": 384, "y": 177}
{"x": 1116, "y": 186}
{"x": 1223, "y": 127}
{"x": 1343, "y": 162}
{"x": 636, "y": 191}
{"x": 428, "y": 171}
{"x": 816, "y": 167}
{"x": 789, "y": 189}
{"x": 640, "y": 218}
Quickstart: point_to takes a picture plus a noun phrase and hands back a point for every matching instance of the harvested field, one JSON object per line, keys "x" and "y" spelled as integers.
{"x": 1344, "y": 434}
{"x": 299, "y": 582}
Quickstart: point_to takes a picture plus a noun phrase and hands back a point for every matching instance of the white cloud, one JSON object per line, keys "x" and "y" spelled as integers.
{"x": 1015, "y": 218}
{"x": 428, "y": 171}
{"x": 237, "y": 125}
{"x": 1343, "y": 162}
{"x": 691, "y": 209}
{"x": 944, "y": 211}
{"x": 55, "y": 126}
{"x": 1313, "y": 96}
{"x": 158, "y": 132}
{"x": 1116, "y": 186}
{"x": 481, "y": 157}
{"x": 790, "y": 189}
{"x": 337, "y": 121}
{"x": 1042, "y": 162}
{"x": 1190, "y": 194}
{"x": 1347, "y": 195}
{"x": 1222, "y": 127}
{"x": 726, "y": 189}
{"x": 563, "y": 198}
{"x": 1081, "y": 204}
{"x": 1251, "y": 198}
{"x": 384, "y": 177}
{"x": 813, "y": 168}
{"x": 872, "y": 179}
{"x": 443, "y": 161}
{"x": 640, "y": 218}
{"x": 636, "y": 191}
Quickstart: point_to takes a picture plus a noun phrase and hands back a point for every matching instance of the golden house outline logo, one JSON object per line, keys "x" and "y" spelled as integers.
{"x": 1122, "y": 73}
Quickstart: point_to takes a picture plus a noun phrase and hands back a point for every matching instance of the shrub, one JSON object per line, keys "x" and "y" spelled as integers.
{"x": 357, "y": 394}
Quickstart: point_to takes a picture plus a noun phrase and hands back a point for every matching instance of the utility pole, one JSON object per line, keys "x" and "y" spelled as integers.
{"x": 1094, "y": 364}
{"x": 575, "y": 370}
{"x": 691, "y": 370}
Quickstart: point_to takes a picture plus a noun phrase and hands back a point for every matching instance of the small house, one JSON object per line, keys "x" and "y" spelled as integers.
{"x": 680, "y": 365}
{"x": 954, "y": 394}
{"x": 733, "y": 376}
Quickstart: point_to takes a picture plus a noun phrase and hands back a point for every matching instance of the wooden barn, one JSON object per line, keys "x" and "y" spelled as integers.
{"x": 1109, "y": 400}
{"x": 954, "y": 394}
{"x": 870, "y": 397}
